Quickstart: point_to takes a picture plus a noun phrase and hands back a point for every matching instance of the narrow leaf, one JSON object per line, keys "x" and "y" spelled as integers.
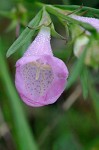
{"x": 25, "y": 35}
{"x": 90, "y": 11}
{"x": 59, "y": 14}
{"x": 55, "y": 34}
{"x": 84, "y": 82}
{"x": 77, "y": 68}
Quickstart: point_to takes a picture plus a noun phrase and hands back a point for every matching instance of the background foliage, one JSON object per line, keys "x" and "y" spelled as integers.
{"x": 72, "y": 123}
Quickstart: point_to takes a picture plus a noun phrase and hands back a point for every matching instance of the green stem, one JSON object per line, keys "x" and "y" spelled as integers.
{"x": 21, "y": 127}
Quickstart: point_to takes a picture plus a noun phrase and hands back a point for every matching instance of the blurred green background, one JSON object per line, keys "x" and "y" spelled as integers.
{"x": 72, "y": 123}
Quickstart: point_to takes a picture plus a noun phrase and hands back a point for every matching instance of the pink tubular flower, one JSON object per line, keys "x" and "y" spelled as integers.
{"x": 40, "y": 77}
{"x": 92, "y": 21}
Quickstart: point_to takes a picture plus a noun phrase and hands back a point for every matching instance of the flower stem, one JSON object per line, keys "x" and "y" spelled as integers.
{"x": 21, "y": 127}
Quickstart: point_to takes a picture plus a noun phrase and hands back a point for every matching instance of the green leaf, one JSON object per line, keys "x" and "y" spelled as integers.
{"x": 90, "y": 11}
{"x": 77, "y": 68}
{"x": 58, "y": 13}
{"x": 55, "y": 34}
{"x": 84, "y": 82}
{"x": 68, "y": 34}
{"x": 25, "y": 35}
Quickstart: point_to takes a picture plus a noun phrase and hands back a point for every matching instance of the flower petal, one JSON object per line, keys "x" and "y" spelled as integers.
{"x": 40, "y": 77}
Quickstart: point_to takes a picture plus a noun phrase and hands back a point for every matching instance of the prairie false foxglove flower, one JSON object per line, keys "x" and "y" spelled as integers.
{"x": 40, "y": 77}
